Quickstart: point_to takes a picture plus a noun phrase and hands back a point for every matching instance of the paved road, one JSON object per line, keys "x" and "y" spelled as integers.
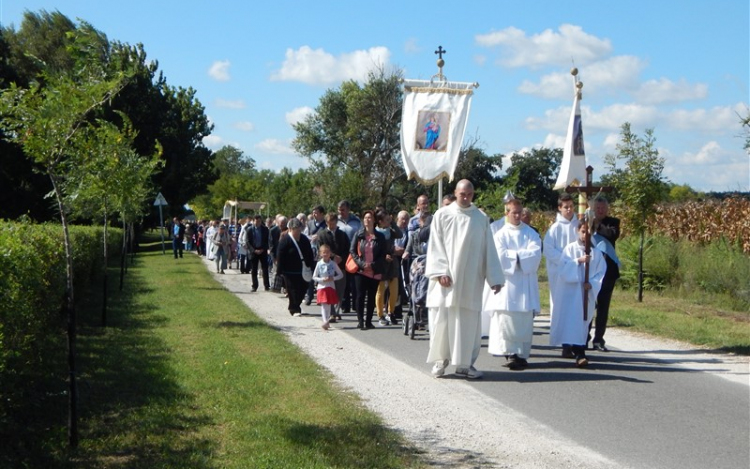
{"x": 647, "y": 403}
{"x": 655, "y": 407}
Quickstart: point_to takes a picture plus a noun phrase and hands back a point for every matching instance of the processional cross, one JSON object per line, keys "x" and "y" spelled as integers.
{"x": 584, "y": 192}
{"x": 440, "y": 52}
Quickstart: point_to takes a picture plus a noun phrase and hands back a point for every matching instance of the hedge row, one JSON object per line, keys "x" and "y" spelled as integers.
{"x": 32, "y": 291}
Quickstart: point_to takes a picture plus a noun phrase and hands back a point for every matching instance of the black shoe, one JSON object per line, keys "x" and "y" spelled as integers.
{"x": 567, "y": 353}
{"x": 514, "y": 363}
{"x": 361, "y": 326}
{"x": 369, "y": 325}
{"x": 600, "y": 347}
{"x": 308, "y": 301}
{"x": 254, "y": 290}
{"x": 268, "y": 288}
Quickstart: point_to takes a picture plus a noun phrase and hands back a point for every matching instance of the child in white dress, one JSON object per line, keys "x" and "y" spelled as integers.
{"x": 326, "y": 273}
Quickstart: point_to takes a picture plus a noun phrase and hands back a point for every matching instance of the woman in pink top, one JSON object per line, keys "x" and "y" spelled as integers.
{"x": 368, "y": 250}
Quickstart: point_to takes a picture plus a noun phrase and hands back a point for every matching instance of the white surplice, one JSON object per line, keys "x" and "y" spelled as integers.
{"x": 511, "y": 330}
{"x": 559, "y": 235}
{"x": 567, "y": 325}
{"x": 207, "y": 235}
{"x": 461, "y": 247}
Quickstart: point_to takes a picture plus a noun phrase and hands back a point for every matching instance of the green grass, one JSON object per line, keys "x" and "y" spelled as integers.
{"x": 187, "y": 376}
{"x": 674, "y": 316}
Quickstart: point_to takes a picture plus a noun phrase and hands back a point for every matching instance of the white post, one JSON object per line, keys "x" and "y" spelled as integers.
{"x": 161, "y": 228}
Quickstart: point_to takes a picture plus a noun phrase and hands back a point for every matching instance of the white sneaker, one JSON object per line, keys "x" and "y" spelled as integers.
{"x": 469, "y": 373}
{"x": 438, "y": 369}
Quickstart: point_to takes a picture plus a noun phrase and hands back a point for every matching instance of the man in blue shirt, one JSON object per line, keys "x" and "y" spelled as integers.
{"x": 178, "y": 233}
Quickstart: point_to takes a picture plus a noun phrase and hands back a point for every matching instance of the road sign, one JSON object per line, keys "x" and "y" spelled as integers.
{"x": 160, "y": 200}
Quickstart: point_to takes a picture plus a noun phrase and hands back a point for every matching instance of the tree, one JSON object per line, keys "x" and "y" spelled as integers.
{"x": 48, "y": 121}
{"x": 234, "y": 181}
{"x": 358, "y": 128}
{"x": 684, "y": 193}
{"x": 640, "y": 183}
{"x": 532, "y": 175}
{"x": 112, "y": 179}
{"x": 43, "y": 46}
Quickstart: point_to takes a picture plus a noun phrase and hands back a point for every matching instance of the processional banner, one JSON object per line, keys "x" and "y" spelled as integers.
{"x": 573, "y": 166}
{"x": 433, "y": 124}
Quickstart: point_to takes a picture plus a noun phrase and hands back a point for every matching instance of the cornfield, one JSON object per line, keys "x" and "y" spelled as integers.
{"x": 698, "y": 222}
{"x": 704, "y": 222}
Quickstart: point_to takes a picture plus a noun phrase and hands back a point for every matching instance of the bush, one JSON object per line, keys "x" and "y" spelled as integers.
{"x": 719, "y": 269}
{"x": 32, "y": 291}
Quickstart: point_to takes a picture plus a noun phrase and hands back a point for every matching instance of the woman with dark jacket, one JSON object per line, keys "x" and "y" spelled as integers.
{"x": 289, "y": 264}
{"x": 368, "y": 249}
{"x": 388, "y": 285}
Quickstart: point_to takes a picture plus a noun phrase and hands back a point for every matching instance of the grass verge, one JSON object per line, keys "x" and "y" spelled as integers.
{"x": 187, "y": 376}
{"x": 677, "y": 317}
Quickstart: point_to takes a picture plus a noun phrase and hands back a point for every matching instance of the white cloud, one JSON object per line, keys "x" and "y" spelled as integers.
{"x": 554, "y": 141}
{"x": 298, "y": 114}
{"x": 665, "y": 91}
{"x": 219, "y": 70}
{"x": 411, "y": 46}
{"x": 245, "y": 126}
{"x": 609, "y": 118}
{"x": 546, "y": 48}
{"x": 723, "y": 119}
{"x": 318, "y": 67}
{"x": 711, "y": 168}
{"x": 610, "y": 142}
{"x": 228, "y": 104}
{"x": 274, "y": 146}
{"x": 213, "y": 142}
{"x": 711, "y": 153}
{"x": 604, "y": 77}
{"x": 480, "y": 60}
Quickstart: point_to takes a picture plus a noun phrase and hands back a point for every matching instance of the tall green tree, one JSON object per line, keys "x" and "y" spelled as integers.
{"x": 48, "y": 121}
{"x": 531, "y": 176}
{"x": 44, "y": 46}
{"x": 639, "y": 181}
{"x": 357, "y": 127}
{"x": 234, "y": 174}
{"x": 112, "y": 180}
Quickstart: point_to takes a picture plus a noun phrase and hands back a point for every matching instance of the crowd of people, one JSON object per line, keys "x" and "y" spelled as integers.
{"x": 480, "y": 277}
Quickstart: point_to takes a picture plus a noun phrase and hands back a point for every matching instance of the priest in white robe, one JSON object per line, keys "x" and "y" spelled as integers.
{"x": 460, "y": 259}
{"x": 567, "y": 326}
{"x": 519, "y": 249}
{"x": 208, "y": 236}
{"x": 560, "y": 234}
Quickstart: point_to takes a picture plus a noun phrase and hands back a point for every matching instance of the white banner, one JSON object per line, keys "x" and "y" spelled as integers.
{"x": 573, "y": 166}
{"x": 433, "y": 124}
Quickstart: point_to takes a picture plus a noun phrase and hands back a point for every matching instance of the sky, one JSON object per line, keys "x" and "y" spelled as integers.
{"x": 679, "y": 67}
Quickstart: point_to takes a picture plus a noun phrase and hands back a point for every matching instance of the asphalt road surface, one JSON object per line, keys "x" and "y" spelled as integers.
{"x": 658, "y": 408}
{"x": 647, "y": 403}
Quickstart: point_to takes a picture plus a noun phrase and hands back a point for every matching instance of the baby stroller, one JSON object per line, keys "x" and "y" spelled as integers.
{"x": 416, "y": 318}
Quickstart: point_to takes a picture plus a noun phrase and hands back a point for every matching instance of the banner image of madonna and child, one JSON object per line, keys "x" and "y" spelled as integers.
{"x": 433, "y": 124}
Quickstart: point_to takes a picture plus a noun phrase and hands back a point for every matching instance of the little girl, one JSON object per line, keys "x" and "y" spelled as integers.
{"x": 326, "y": 273}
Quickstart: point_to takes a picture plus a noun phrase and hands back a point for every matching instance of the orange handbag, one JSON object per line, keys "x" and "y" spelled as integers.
{"x": 351, "y": 266}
